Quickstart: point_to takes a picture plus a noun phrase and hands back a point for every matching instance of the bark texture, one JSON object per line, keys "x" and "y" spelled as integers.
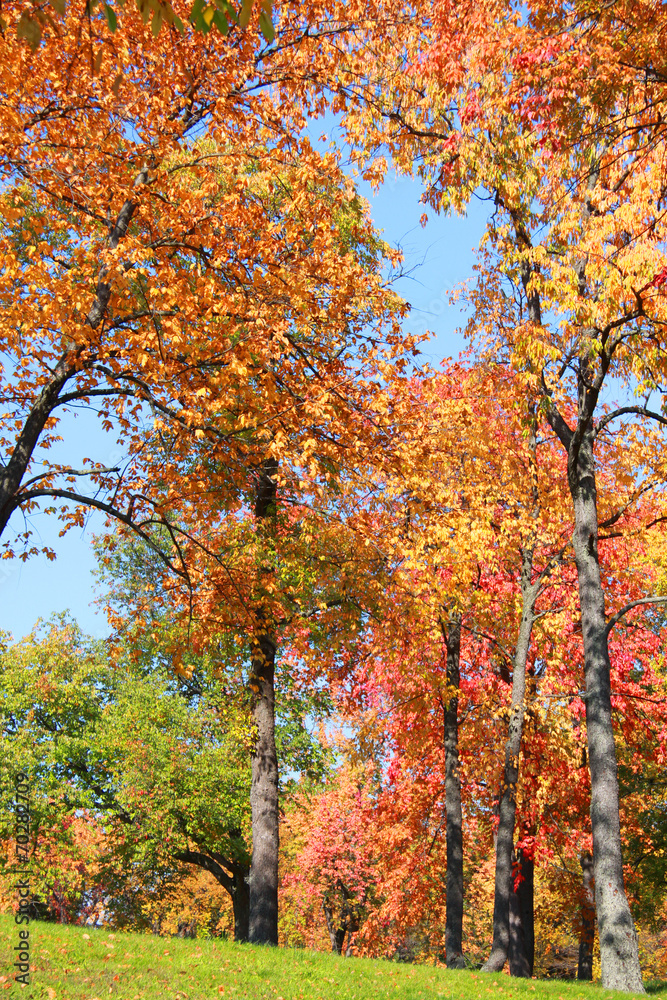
{"x": 263, "y": 927}
{"x": 619, "y": 952}
{"x": 587, "y": 929}
{"x": 526, "y": 896}
{"x": 454, "y": 903}
{"x": 263, "y": 923}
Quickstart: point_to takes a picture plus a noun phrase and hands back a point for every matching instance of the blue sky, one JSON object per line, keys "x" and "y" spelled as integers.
{"x": 438, "y": 256}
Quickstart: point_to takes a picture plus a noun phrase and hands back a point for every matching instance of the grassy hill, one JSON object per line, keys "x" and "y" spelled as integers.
{"x": 75, "y": 963}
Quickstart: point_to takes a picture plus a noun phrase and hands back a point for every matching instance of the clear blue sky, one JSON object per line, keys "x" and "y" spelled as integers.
{"x": 439, "y": 257}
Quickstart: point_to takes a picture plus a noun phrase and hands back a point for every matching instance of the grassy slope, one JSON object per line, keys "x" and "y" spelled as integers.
{"x": 72, "y": 963}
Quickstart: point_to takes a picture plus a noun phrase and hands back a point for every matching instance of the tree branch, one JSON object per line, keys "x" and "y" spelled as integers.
{"x": 208, "y": 864}
{"x": 615, "y": 619}
{"x": 642, "y": 411}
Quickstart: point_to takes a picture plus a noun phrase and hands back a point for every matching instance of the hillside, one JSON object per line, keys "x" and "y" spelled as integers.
{"x": 75, "y": 963}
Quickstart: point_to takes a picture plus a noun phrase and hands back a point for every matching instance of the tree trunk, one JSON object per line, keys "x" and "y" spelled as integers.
{"x": 522, "y": 933}
{"x": 526, "y": 894}
{"x": 11, "y": 475}
{"x": 505, "y": 837}
{"x": 263, "y": 921}
{"x": 241, "y": 905}
{"x": 263, "y": 925}
{"x": 587, "y": 929}
{"x": 454, "y": 902}
{"x": 619, "y": 952}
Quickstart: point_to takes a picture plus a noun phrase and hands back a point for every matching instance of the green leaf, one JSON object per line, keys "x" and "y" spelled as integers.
{"x": 172, "y": 19}
{"x": 266, "y": 26}
{"x": 228, "y": 10}
{"x": 110, "y": 15}
{"x": 195, "y": 13}
{"x": 145, "y": 10}
{"x": 58, "y": 5}
{"x": 246, "y": 12}
{"x": 220, "y": 21}
{"x": 29, "y": 29}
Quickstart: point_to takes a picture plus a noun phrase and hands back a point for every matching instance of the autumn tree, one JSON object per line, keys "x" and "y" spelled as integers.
{"x": 448, "y": 509}
{"x": 555, "y": 116}
{"x": 592, "y": 342}
{"x": 334, "y": 855}
{"x": 189, "y": 271}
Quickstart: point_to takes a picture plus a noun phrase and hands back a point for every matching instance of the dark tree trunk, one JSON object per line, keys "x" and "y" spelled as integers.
{"x": 507, "y": 811}
{"x": 454, "y": 902}
{"x": 587, "y": 928}
{"x": 11, "y": 475}
{"x": 241, "y": 904}
{"x": 263, "y": 921}
{"x": 522, "y": 933}
{"x": 343, "y": 916}
{"x": 619, "y": 952}
{"x": 526, "y": 894}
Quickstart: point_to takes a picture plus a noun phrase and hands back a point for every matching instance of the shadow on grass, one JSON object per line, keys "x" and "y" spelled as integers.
{"x": 656, "y": 985}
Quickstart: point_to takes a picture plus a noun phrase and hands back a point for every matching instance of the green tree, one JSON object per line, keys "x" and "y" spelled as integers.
{"x": 161, "y": 760}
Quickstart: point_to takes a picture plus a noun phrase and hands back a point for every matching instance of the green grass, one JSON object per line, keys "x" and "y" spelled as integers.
{"x": 75, "y": 963}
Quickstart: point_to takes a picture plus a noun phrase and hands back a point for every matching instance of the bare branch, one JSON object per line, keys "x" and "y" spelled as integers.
{"x": 615, "y": 619}
{"x": 622, "y": 410}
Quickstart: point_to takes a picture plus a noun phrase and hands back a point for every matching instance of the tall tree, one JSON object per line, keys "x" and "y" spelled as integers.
{"x": 454, "y": 507}
{"x": 186, "y": 260}
{"x": 566, "y": 138}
